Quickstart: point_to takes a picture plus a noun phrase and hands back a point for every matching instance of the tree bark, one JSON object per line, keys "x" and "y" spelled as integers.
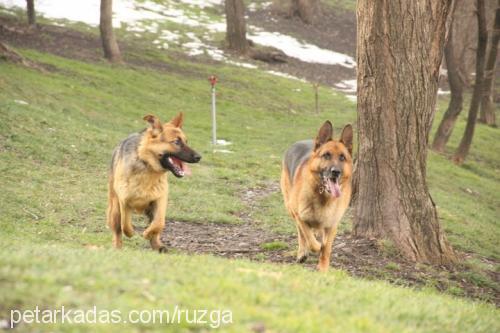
{"x": 456, "y": 102}
{"x": 400, "y": 48}
{"x": 487, "y": 113}
{"x": 30, "y": 10}
{"x": 306, "y": 10}
{"x": 109, "y": 44}
{"x": 236, "y": 33}
{"x": 465, "y": 143}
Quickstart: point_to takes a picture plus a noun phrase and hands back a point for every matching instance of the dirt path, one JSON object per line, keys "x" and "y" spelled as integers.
{"x": 359, "y": 257}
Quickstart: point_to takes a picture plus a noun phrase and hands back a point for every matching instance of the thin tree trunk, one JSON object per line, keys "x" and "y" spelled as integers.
{"x": 456, "y": 102}
{"x": 236, "y": 26}
{"x": 400, "y": 48}
{"x": 30, "y": 10}
{"x": 487, "y": 113}
{"x": 465, "y": 143}
{"x": 306, "y": 10}
{"x": 109, "y": 44}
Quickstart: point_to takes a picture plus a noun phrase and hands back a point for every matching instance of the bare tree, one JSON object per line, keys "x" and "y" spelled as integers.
{"x": 109, "y": 44}
{"x": 465, "y": 143}
{"x": 400, "y": 48}
{"x": 236, "y": 26}
{"x": 456, "y": 83}
{"x": 306, "y": 10}
{"x": 487, "y": 113}
{"x": 30, "y": 10}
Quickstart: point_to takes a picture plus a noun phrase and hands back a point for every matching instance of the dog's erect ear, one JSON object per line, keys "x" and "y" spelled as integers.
{"x": 155, "y": 123}
{"x": 325, "y": 134}
{"x": 346, "y": 137}
{"x": 178, "y": 120}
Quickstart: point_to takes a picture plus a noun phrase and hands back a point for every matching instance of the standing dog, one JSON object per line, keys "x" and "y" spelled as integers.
{"x": 316, "y": 187}
{"x": 138, "y": 177}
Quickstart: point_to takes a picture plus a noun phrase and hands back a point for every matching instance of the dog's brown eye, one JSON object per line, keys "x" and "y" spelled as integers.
{"x": 178, "y": 141}
{"x": 327, "y": 156}
{"x": 342, "y": 157}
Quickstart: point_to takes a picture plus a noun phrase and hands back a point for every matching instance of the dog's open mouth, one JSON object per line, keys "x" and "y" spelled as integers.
{"x": 332, "y": 186}
{"x": 178, "y": 167}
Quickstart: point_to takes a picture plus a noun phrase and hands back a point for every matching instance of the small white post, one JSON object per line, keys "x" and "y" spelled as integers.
{"x": 213, "y": 81}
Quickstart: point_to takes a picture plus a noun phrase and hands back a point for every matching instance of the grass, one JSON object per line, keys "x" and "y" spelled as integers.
{"x": 57, "y": 131}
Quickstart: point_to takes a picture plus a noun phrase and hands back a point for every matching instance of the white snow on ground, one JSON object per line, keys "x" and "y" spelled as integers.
{"x": 203, "y": 3}
{"x": 285, "y": 75}
{"x": 222, "y": 142}
{"x": 147, "y": 16}
{"x": 348, "y": 86}
{"x": 138, "y": 17}
{"x": 302, "y": 51}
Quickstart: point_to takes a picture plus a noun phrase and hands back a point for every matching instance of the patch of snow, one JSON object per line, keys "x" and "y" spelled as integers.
{"x": 224, "y": 151}
{"x": 216, "y": 54}
{"x": 147, "y": 16}
{"x": 203, "y": 3}
{"x": 348, "y": 86}
{"x": 241, "y": 64}
{"x": 443, "y": 92}
{"x": 222, "y": 142}
{"x": 302, "y": 51}
{"x": 21, "y": 102}
{"x": 352, "y": 98}
{"x": 285, "y": 75}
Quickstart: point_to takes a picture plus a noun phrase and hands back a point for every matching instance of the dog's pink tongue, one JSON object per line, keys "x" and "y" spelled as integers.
{"x": 186, "y": 169}
{"x": 334, "y": 188}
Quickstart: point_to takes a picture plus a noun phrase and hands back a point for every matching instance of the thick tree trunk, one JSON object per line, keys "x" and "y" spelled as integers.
{"x": 456, "y": 102}
{"x": 465, "y": 143}
{"x": 306, "y": 10}
{"x": 236, "y": 33}
{"x": 400, "y": 48}
{"x": 30, "y": 10}
{"x": 487, "y": 113}
{"x": 109, "y": 44}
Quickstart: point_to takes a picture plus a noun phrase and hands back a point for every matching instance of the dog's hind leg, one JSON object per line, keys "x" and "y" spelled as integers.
{"x": 113, "y": 217}
{"x": 156, "y": 213}
{"x": 126, "y": 220}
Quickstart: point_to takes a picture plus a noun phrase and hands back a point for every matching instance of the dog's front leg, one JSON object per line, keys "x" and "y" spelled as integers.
{"x": 309, "y": 237}
{"x": 303, "y": 250}
{"x": 155, "y": 229}
{"x": 326, "y": 250}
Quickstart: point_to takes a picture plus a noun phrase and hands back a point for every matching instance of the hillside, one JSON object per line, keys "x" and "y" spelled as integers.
{"x": 231, "y": 242}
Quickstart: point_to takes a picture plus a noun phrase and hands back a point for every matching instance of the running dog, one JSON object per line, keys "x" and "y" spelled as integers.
{"x": 316, "y": 186}
{"x": 138, "y": 177}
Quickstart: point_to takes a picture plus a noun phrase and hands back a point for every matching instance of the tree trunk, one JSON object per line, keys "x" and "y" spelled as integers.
{"x": 456, "y": 102}
{"x": 306, "y": 10}
{"x": 236, "y": 34}
{"x": 109, "y": 44}
{"x": 487, "y": 113}
{"x": 465, "y": 143}
{"x": 400, "y": 48}
{"x": 30, "y": 10}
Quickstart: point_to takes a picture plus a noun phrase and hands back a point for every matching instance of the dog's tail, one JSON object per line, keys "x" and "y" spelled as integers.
{"x": 113, "y": 212}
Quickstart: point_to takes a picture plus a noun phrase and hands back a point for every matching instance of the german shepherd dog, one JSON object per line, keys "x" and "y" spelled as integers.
{"x": 138, "y": 177}
{"x": 316, "y": 187}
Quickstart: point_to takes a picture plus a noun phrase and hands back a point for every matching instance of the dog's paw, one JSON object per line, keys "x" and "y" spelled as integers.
{"x": 323, "y": 266}
{"x": 162, "y": 249}
{"x": 301, "y": 258}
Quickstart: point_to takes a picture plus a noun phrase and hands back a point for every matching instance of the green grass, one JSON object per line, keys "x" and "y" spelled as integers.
{"x": 282, "y": 298}
{"x": 55, "y": 249}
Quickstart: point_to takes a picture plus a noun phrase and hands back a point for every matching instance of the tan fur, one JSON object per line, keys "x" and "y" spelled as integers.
{"x": 134, "y": 186}
{"x": 315, "y": 213}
